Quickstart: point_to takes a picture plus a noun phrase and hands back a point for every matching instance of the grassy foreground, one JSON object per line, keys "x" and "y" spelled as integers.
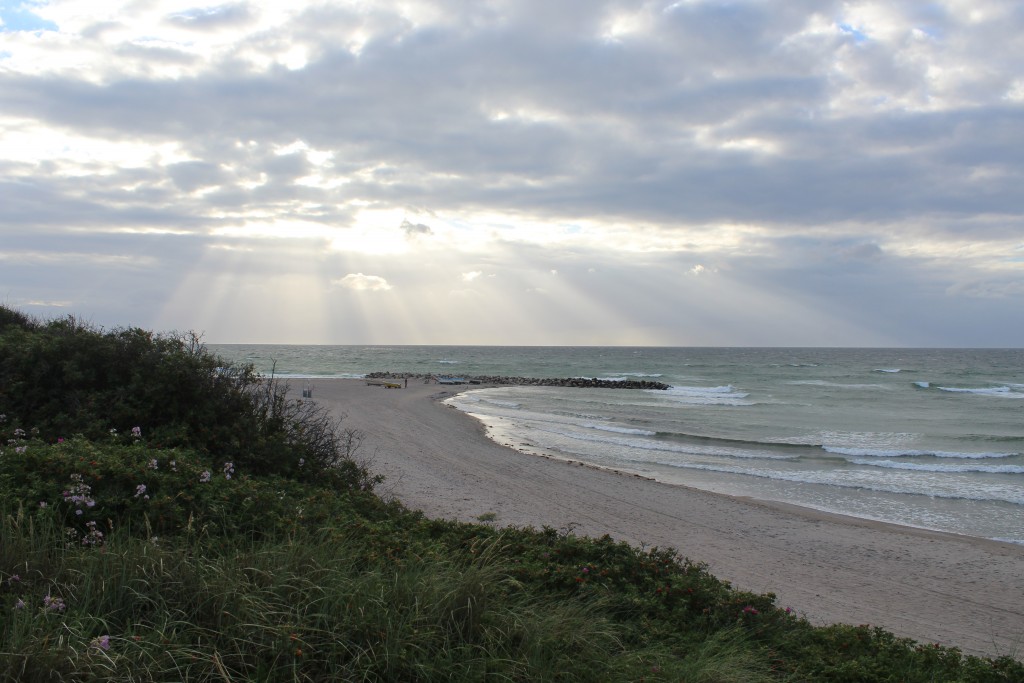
{"x": 165, "y": 516}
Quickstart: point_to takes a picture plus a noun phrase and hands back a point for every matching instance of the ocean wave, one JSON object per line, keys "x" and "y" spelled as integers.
{"x": 898, "y": 453}
{"x": 888, "y": 370}
{"x": 721, "y": 395}
{"x": 911, "y": 487}
{"x": 724, "y": 389}
{"x": 665, "y": 446}
{"x": 923, "y": 385}
{"x": 448, "y": 362}
{"x": 1003, "y": 391}
{"x": 1004, "y": 539}
{"x": 579, "y": 416}
{"x": 918, "y": 467}
{"x": 837, "y": 385}
{"x": 727, "y": 442}
{"x": 503, "y": 404}
{"x": 620, "y": 430}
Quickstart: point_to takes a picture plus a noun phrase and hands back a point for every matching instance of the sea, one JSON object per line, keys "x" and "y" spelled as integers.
{"x": 929, "y": 438}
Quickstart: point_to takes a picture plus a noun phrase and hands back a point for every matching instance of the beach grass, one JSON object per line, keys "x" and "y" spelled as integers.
{"x": 160, "y": 546}
{"x": 330, "y": 594}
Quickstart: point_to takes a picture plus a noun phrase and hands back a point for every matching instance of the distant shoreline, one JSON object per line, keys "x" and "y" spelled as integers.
{"x": 930, "y": 586}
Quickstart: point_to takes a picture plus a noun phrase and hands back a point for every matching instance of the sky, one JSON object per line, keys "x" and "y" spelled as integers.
{"x": 518, "y": 172}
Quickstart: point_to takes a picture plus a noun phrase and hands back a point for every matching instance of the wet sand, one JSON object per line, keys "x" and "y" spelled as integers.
{"x": 933, "y": 587}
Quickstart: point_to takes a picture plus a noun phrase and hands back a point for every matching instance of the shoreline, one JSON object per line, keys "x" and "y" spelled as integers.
{"x": 928, "y": 585}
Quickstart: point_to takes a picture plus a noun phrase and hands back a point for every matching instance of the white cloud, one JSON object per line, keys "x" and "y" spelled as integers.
{"x": 363, "y": 283}
{"x": 471, "y": 275}
{"x": 47, "y": 304}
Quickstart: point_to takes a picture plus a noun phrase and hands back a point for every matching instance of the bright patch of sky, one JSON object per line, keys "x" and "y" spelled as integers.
{"x": 582, "y": 172}
{"x": 18, "y": 15}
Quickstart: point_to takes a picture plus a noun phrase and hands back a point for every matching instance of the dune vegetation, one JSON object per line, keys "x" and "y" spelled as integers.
{"x": 168, "y": 516}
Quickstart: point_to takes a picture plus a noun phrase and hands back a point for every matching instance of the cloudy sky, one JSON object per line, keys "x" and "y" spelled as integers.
{"x": 745, "y": 173}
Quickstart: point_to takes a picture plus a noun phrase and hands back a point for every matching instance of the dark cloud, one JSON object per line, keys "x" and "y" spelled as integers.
{"x": 868, "y": 251}
{"x": 192, "y": 175}
{"x": 415, "y": 229}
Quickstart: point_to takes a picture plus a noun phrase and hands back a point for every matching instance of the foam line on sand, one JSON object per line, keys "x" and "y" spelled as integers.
{"x": 930, "y": 586}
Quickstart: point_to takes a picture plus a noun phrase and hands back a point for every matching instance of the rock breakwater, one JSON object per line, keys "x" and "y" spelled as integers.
{"x": 578, "y": 382}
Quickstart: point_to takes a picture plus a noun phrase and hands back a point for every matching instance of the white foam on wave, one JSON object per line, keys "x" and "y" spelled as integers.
{"x": 1003, "y": 539}
{"x": 905, "y": 484}
{"x": 722, "y": 395}
{"x": 581, "y": 416}
{"x": 1003, "y": 391}
{"x": 989, "y": 469}
{"x": 900, "y": 453}
{"x": 621, "y": 430}
{"x": 888, "y": 370}
{"x": 503, "y": 404}
{"x": 837, "y": 385}
{"x": 923, "y": 385}
{"x": 664, "y": 446}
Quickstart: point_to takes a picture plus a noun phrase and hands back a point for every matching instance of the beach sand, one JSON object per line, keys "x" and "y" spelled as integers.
{"x": 933, "y": 587}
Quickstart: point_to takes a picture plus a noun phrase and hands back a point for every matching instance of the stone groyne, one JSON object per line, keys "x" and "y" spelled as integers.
{"x": 580, "y": 382}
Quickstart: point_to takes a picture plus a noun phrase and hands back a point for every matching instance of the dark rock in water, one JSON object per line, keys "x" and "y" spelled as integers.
{"x": 580, "y": 382}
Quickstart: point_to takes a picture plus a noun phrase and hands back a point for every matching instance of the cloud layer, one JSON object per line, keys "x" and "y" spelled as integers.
{"x": 598, "y": 172}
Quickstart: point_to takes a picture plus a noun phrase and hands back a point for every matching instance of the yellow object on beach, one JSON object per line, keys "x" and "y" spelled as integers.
{"x": 383, "y": 383}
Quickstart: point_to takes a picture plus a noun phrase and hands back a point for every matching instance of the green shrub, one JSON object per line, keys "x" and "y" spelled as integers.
{"x": 65, "y": 378}
{"x": 12, "y": 318}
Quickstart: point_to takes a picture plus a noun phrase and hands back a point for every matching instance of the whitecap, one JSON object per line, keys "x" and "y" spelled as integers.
{"x": 837, "y": 385}
{"x": 866, "y": 481}
{"x": 503, "y": 404}
{"x": 720, "y": 395}
{"x": 621, "y": 430}
{"x": 896, "y": 465}
{"x": 899, "y": 453}
{"x": 1002, "y": 539}
{"x": 660, "y": 446}
{"x": 1003, "y": 391}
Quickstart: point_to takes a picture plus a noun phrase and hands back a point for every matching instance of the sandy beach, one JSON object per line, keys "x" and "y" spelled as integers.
{"x": 933, "y": 587}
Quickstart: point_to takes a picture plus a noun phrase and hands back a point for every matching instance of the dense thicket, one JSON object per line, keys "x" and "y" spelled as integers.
{"x": 65, "y": 378}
